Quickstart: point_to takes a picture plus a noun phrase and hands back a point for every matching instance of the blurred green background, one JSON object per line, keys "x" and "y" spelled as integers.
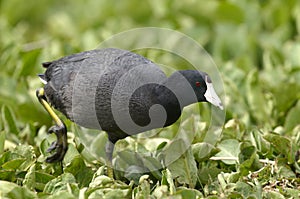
{"x": 255, "y": 44}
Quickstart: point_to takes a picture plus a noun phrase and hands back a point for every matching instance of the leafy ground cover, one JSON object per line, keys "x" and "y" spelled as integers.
{"x": 256, "y": 47}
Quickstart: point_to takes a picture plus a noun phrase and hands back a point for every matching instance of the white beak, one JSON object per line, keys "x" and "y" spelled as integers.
{"x": 211, "y": 95}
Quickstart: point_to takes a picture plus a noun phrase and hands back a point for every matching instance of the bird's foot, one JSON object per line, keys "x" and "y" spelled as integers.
{"x": 60, "y": 145}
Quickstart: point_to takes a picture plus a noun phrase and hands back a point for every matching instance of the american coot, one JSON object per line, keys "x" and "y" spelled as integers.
{"x": 119, "y": 92}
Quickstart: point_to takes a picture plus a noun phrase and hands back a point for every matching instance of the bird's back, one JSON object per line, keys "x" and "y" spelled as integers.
{"x": 92, "y": 87}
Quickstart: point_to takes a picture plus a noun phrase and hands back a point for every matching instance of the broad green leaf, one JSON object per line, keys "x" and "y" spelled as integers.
{"x": 13, "y": 164}
{"x": 60, "y": 183}
{"x": 29, "y": 63}
{"x": 41, "y": 179}
{"x": 262, "y": 145}
{"x": 173, "y": 151}
{"x": 292, "y": 118}
{"x": 244, "y": 189}
{"x": 184, "y": 167}
{"x": 229, "y": 150}
{"x": 248, "y": 159}
{"x": 27, "y": 152}
{"x": 273, "y": 195}
{"x": 208, "y": 174}
{"x": 9, "y": 120}
{"x": 95, "y": 144}
{"x": 256, "y": 100}
{"x": 134, "y": 172}
{"x": 294, "y": 193}
{"x": 189, "y": 193}
{"x": 282, "y": 145}
{"x": 232, "y": 177}
{"x": 233, "y": 129}
{"x": 81, "y": 172}
{"x": 286, "y": 95}
{"x": 8, "y": 175}
{"x": 71, "y": 154}
{"x": 203, "y": 151}
{"x": 11, "y": 190}
{"x": 153, "y": 165}
{"x": 285, "y": 171}
{"x": 126, "y": 158}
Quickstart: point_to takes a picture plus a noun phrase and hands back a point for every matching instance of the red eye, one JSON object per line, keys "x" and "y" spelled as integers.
{"x": 198, "y": 84}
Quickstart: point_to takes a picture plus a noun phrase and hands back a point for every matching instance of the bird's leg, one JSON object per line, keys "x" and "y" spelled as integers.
{"x": 109, "y": 149}
{"x": 60, "y": 130}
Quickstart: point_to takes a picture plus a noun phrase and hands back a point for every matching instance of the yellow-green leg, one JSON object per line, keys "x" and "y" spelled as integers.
{"x": 61, "y": 144}
{"x": 109, "y": 148}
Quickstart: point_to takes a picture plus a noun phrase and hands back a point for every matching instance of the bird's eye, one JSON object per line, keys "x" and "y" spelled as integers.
{"x": 198, "y": 84}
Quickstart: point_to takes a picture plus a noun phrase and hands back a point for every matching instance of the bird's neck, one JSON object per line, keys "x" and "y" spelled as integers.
{"x": 178, "y": 90}
{"x": 174, "y": 96}
{"x": 168, "y": 100}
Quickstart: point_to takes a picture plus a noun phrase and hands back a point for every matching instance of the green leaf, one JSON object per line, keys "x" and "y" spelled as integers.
{"x": 60, "y": 183}
{"x": 81, "y": 172}
{"x": 229, "y": 12}
{"x": 161, "y": 191}
{"x": 257, "y": 139}
{"x": 282, "y": 145}
{"x": 244, "y": 189}
{"x": 2, "y": 141}
{"x": 97, "y": 145}
{"x": 229, "y": 150}
{"x": 8, "y": 175}
{"x": 203, "y": 151}
{"x": 188, "y": 193}
{"x": 161, "y": 146}
{"x": 126, "y": 158}
{"x": 13, "y": 164}
{"x": 62, "y": 195}
{"x": 167, "y": 179}
{"x": 248, "y": 159}
{"x": 9, "y": 120}
{"x": 173, "y": 151}
{"x": 143, "y": 190}
{"x": 184, "y": 168}
{"x": 11, "y": 190}
{"x": 134, "y": 172}
{"x": 29, "y": 62}
{"x": 256, "y": 100}
{"x": 273, "y": 195}
{"x": 41, "y": 179}
{"x": 234, "y": 129}
{"x": 208, "y": 174}
{"x": 71, "y": 154}
{"x": 153, "y": 165}
{"x": 101, "y": 181}
{"x": 29, "y": 180}
{"x": 292, "y": 118}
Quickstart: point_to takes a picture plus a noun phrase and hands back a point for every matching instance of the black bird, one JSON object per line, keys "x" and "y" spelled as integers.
{"x": 117, "y": 91}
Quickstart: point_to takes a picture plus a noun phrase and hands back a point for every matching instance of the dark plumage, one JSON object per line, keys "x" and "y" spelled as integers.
{"x": 121, "y": 92}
